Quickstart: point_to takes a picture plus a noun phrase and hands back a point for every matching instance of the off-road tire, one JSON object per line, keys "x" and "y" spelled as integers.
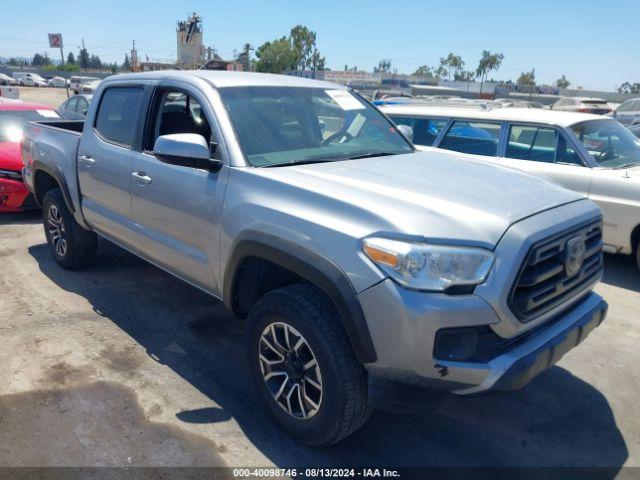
{"x": 344, "y": 407}
{"x": 81, "y": 244}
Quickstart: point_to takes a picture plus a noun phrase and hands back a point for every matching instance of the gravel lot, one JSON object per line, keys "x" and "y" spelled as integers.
{"x": 124, "y": 365}
{"x": 46, "y": 96}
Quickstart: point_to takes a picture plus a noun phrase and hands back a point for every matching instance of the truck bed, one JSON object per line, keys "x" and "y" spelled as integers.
{"x": 70, "y": 125}
{"x": 54, "y": 144}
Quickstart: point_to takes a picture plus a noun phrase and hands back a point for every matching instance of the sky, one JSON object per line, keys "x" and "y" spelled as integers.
{"x": 594, "y": 43}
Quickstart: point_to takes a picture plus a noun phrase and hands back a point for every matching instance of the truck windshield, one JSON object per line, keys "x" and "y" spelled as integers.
{"x": 12, "y": 121}
{"x": 279, "y": 126}
{"x": 609, "y": 143}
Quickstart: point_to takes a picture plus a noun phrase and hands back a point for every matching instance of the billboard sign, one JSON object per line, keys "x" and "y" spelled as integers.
{"x": 55, "y": 40}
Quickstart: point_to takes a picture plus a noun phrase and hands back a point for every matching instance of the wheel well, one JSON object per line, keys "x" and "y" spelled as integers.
{"x": 635, "y": 238}
{"x": 255, "y": 277}
{"x": 42, "y": 183}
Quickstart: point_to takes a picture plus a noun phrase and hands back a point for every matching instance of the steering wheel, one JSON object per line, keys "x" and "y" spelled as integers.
{"x": 343, "y": 134}
{"x": 607, "y": 153}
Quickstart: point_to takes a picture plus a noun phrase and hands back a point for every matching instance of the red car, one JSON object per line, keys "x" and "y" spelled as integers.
{"x": 14, "y": 195}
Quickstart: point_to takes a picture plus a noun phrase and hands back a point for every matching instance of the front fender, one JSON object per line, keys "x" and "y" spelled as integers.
{"x": 311, "y": 266}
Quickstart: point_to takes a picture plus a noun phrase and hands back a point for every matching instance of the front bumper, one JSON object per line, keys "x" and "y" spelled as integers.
{"x": 406, "y": 353}
{"x": 14, "y": 196}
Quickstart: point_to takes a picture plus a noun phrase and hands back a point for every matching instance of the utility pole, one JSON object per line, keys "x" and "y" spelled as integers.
{"x": 533, "y": 81}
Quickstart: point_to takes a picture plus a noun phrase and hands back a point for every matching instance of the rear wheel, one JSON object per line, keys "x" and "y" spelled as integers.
{"x": 72, "y": 246}
{"x": 303, "y": 366}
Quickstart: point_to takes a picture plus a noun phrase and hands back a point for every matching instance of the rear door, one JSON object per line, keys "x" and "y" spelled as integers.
{"x": 546, "y": 150}
{"x": 177, "y": 209}
{"x": 104, "y": 162}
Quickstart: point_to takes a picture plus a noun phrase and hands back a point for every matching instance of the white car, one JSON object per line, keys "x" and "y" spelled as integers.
{"x": 89, "y": 88}
{"x": 591, "y": 154}
{"x": 27, "y": 79}
{"x": 598, "y": 106}
{"x": 628, "y": 113}
{"x": 75, "y": 83}
{"x": 58, "y": 82}
{"x": 7, "y": 80}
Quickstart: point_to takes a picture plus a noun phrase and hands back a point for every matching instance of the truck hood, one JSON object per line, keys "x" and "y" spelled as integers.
{"x": 437, "y": 195}
{"x": 10, "y": 156}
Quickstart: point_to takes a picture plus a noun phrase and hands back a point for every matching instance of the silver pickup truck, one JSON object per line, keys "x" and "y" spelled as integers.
{"x": 352, "y": 256}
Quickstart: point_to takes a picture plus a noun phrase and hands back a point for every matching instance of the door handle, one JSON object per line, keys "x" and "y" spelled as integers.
{"x": 87, "y": 159}
{"x": 141, "y": 178}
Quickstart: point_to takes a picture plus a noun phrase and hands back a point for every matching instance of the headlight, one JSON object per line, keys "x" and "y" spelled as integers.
{"x": 422, "y": 266}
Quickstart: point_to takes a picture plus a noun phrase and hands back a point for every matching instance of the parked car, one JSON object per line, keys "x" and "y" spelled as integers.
{"x": 89, "y": 88}
{"x": 75, "y": 108}
{"x": 353, "y": 256}
{"x": 635, "y": 129}
{"x": 596, "y": 106}
{"x": 75, "y": 82}
{"x": 628, "y": 113}
{"x": 14, "y": 195}
{"x": 27, "y": 79}
{"x": 8, "y": 93}
{"x": 7, "y": 80}
{"x": 590, "y": 154}
{"x": 58, "y": 82}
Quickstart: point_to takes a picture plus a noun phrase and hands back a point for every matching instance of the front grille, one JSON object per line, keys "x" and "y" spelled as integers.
{"x": 544, "y": 281}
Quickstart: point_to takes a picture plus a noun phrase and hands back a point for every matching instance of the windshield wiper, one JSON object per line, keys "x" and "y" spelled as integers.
{"x": 371, "y": 155}
{"x": 626, "y": 165}
{"x": 306, "y": 161}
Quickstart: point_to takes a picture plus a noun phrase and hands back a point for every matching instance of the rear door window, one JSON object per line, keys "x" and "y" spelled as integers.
{"x": 530, "y": 142}
{"x": 479, "y": 138}
{"x": 71, "y": 104}
{"x": 117, "y": 115}
{"x": 425, "y": 130}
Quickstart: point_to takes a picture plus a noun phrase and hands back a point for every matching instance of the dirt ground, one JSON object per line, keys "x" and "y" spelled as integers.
{"x": 46, "y": 96}
{"x": 123, "y": 365}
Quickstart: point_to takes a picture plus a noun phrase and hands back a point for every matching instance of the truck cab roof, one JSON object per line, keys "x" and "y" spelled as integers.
{"x": 221, "y": 79}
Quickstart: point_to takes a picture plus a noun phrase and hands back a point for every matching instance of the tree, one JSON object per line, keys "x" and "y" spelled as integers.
{"x": 562, "y": 82}
{"x": 126, "y": 65}
{"x": 40, "y": 60}
{"x": 488, "y": 62}
{"x": 276, "y": 57}
{"x": 95, "y": 62}
{"x": 455, "y": 64}
{"x": 384, "y": 66}
{"x": 527, "y": 79}
{"x": 83, "y": 58}
{"x": 629, "y": 88}
{"x": 303, "y": 43}
{"x": 424, "y": 71}
{"x": 71, "y": 59}
{"x": 464, "y": 75}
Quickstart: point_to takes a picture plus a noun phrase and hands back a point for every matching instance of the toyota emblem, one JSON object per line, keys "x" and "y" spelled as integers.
{"x": 576, "y": 250}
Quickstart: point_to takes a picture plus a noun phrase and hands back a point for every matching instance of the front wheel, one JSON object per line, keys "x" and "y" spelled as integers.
{"x": 72, "y": 246}
{"x": 303, "y": 366}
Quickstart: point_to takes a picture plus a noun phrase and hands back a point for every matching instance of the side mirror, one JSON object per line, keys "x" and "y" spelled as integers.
{"x": 406, "y": 131}
{"x": 185, "y": 150}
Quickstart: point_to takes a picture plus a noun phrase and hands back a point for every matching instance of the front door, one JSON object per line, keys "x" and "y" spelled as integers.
{"x": 104, "y": 164}
{"x": 545, "y": 151}
{"x": 177, "y": 209}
